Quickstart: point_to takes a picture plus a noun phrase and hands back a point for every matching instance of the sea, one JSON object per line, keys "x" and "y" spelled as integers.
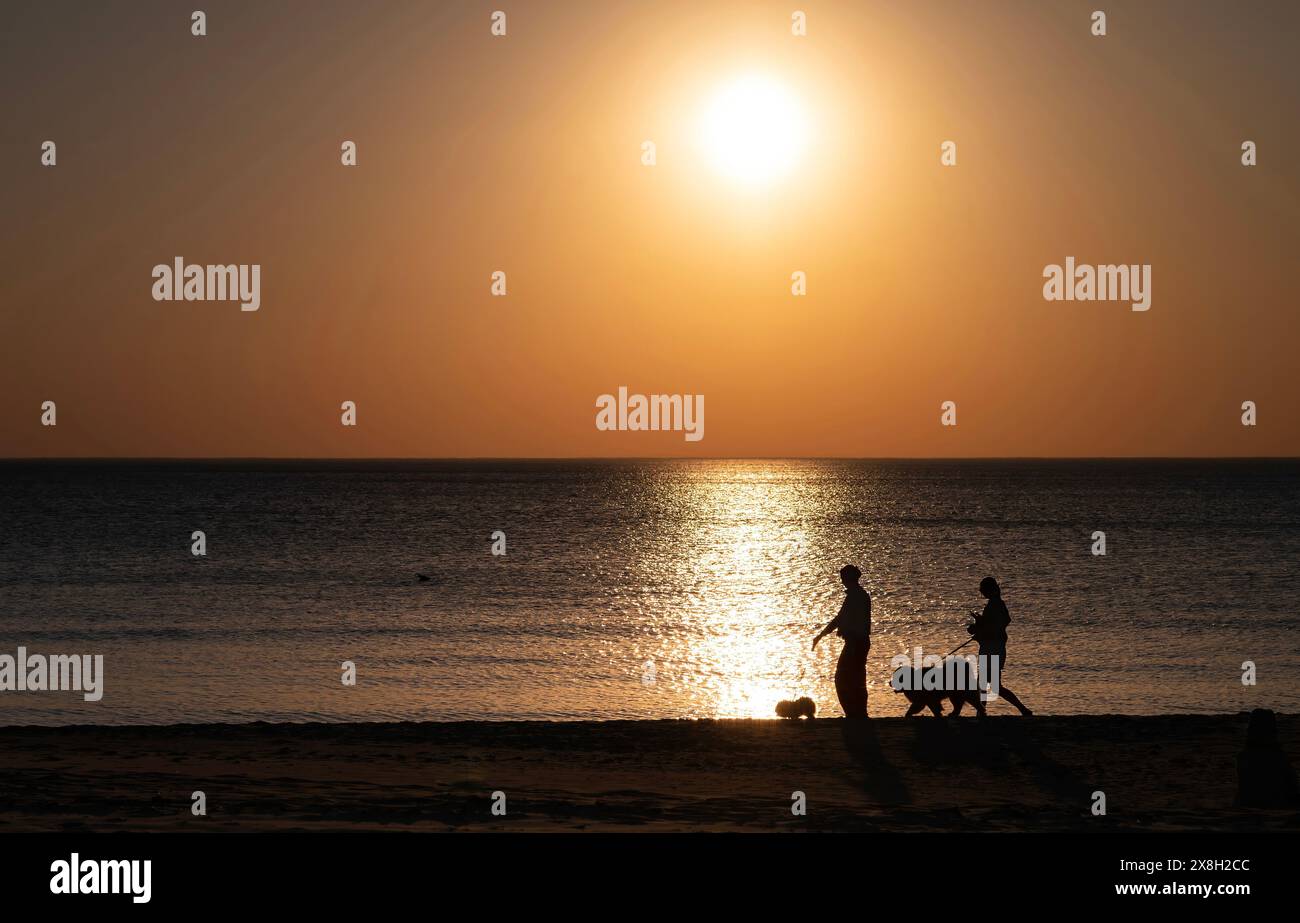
{"x": 647, "y": 589}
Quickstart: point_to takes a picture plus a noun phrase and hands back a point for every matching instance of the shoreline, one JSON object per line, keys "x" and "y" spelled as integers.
{"x": 1170, "y": 772}
{"x": 967, "y": 715}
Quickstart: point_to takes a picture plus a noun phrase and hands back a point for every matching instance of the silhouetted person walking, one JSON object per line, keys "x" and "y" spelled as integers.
{"x": 853, "y": 624}
{"x": 990, "y": 630}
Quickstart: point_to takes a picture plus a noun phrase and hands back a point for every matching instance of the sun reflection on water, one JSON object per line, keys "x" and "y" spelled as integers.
{"x": 759, "y": 592}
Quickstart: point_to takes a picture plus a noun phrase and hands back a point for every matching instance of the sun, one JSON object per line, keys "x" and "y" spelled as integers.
{"x": 753, "y": 130}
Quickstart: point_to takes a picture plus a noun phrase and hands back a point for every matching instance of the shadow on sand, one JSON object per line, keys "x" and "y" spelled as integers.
{"x": 991, "y": 743}
{"x": 881, "y": 781}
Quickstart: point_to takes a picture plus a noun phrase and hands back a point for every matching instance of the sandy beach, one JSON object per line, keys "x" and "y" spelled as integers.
{"x": 1004, "y": 774}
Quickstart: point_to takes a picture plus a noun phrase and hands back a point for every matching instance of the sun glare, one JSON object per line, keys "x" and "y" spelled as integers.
{"x": 753, "y": 130}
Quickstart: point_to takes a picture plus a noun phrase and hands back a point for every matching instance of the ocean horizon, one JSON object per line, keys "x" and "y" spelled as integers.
{"x": 636, "y": 588}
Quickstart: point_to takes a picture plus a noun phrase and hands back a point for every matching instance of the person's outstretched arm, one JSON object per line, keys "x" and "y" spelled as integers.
{"x": 830, "y": 626}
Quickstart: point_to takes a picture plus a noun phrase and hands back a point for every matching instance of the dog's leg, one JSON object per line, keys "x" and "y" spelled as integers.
{"x": 913, "y": 709}
{"x": 937, "y": 708}
{"x": 957, "y": 703}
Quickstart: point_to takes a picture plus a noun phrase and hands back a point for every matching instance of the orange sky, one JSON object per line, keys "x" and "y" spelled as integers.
{"x": 522, "y": 154}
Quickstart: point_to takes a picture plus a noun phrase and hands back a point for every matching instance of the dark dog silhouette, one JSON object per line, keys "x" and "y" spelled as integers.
{"x": 957, "y": 684}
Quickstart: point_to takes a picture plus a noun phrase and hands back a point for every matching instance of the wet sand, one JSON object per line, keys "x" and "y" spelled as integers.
{"x": 891, "y": 774}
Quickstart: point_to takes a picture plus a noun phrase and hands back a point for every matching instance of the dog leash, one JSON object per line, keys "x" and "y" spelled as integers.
{"x": 958, "y": 647}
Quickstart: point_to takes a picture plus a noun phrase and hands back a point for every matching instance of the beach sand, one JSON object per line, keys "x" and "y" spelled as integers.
{"x": 891, "y": 774}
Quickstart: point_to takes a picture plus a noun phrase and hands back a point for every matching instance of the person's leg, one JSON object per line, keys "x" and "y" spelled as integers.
{"x": 991, "y": 664}
{"x": 851, "y": 681}
{"x": 1010, "y": 696}
{"x": 861, "y": 678}
{"x": 844, "y": 684}
{"x": 1004, "y": 691}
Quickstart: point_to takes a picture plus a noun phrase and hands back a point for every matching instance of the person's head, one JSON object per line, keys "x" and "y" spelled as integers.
{"x": 850, "y": 575}
{"x": 989, "y": 588}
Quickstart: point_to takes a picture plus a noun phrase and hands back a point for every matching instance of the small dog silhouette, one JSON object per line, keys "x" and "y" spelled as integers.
{"x": 802, "y": 707}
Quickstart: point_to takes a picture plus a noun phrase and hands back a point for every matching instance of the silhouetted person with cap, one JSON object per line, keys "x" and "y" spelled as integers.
{"x": 853, "y": 624}
{"x": 1265, "y": 778}
{"x": 990, "y": 630}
